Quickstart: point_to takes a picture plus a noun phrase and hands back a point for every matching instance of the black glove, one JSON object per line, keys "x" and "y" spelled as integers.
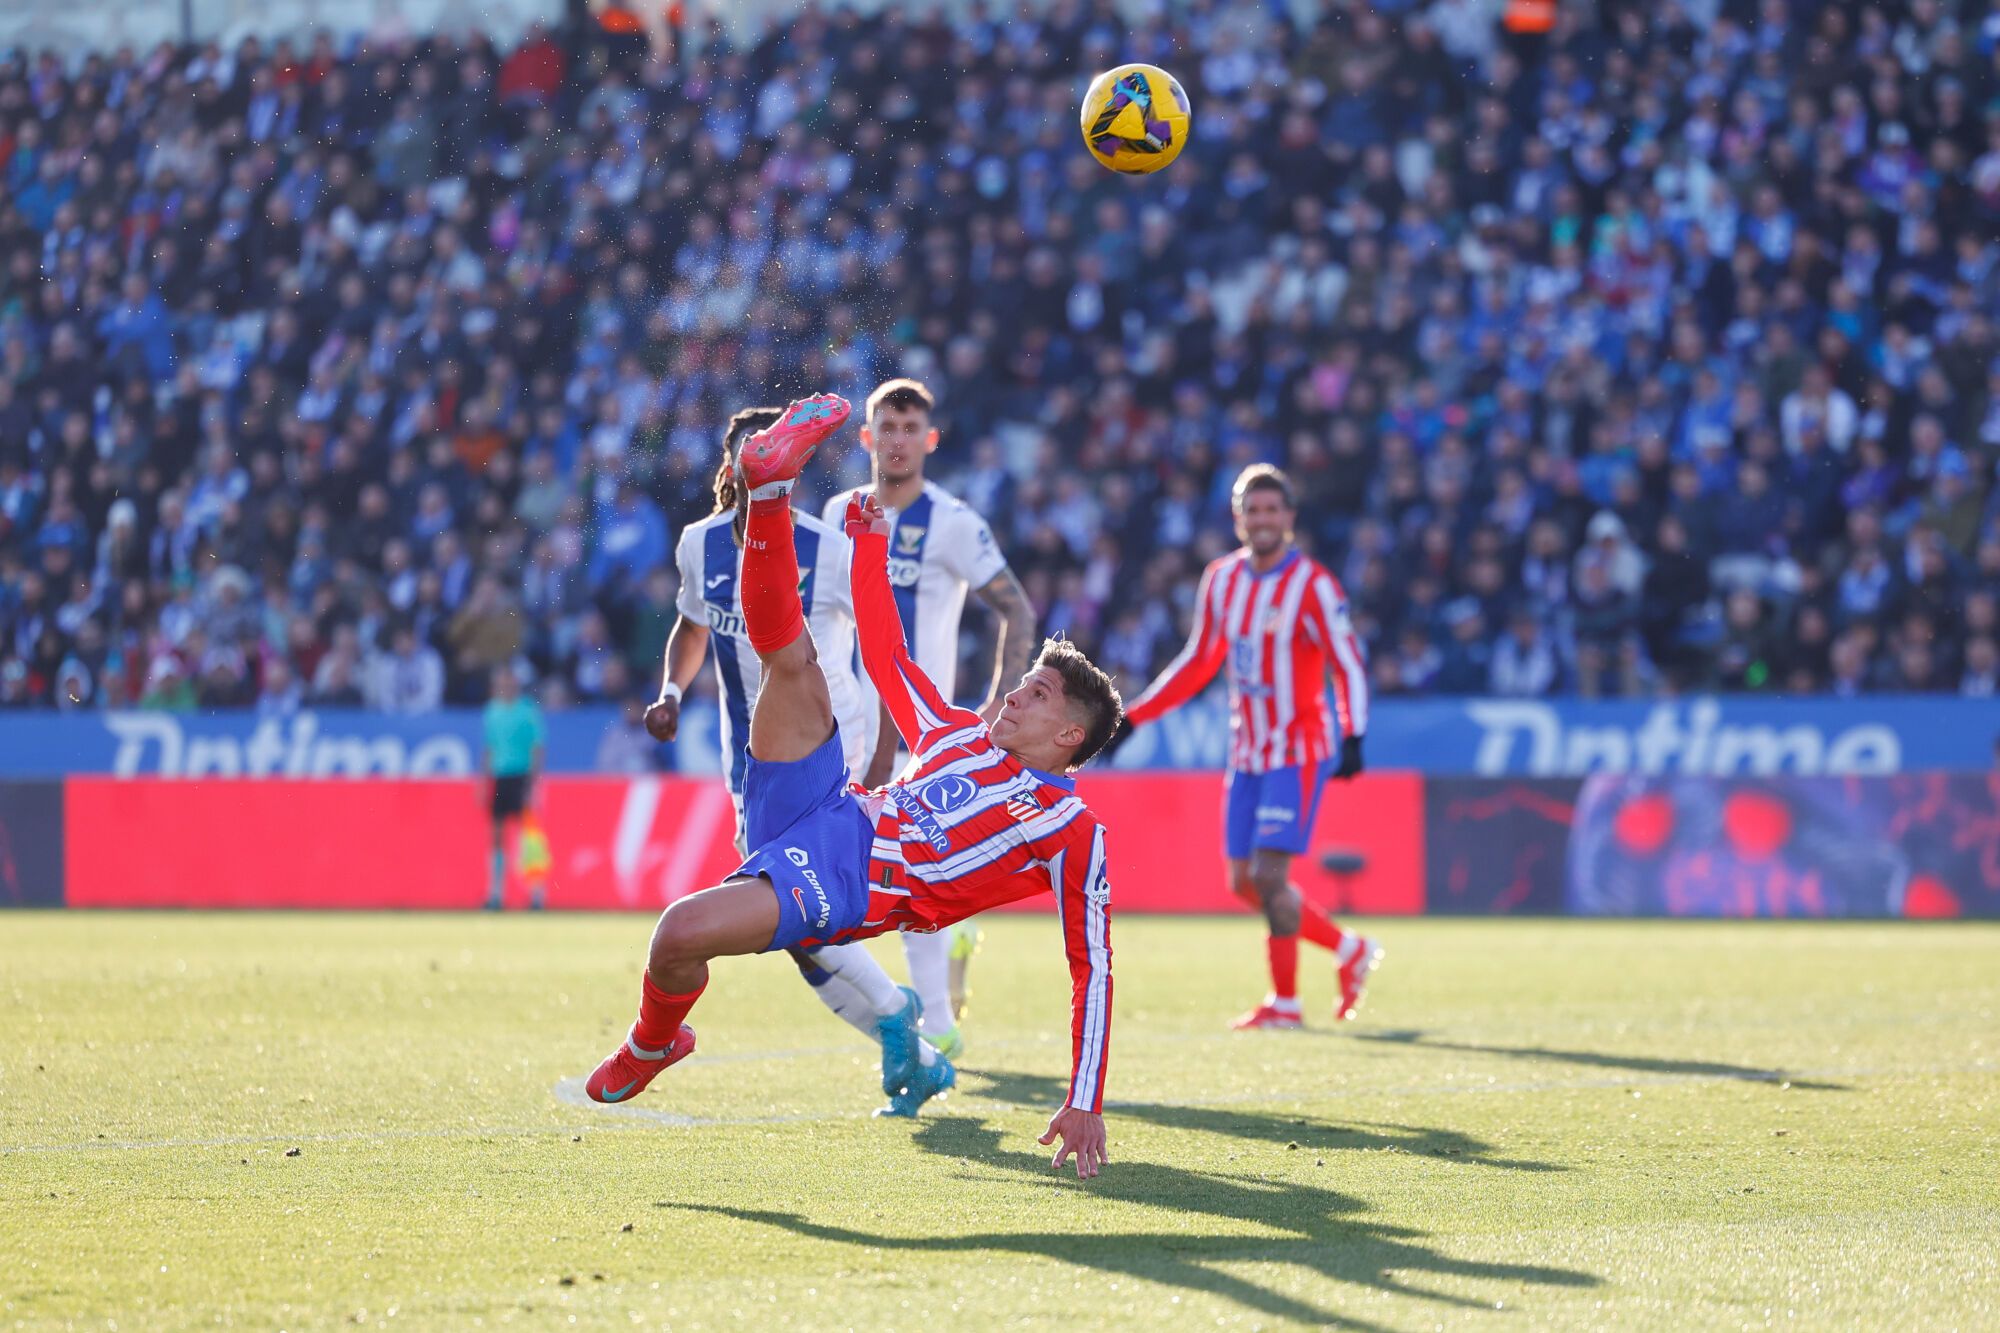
{"x": 1119, "y": 735}
{"x": 1350, "y": 757}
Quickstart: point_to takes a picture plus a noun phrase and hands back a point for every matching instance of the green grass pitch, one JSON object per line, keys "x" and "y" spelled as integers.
{"x": 326, "y": 1121}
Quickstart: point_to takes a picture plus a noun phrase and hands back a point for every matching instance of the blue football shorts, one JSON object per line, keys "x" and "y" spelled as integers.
{"x": 1272, "y": 811}
{"x": 810, "y": 839}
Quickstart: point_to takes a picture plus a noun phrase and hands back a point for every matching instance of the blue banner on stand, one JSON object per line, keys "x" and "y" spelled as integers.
{"x": 1573, "y": 738}
{"x": 1445, "y": 737}
{"x": 317, "y": 743}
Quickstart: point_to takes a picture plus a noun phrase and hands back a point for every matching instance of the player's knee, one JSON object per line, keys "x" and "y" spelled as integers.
{"x": 662, "y": 954}
{"x": 680, "y": 936}
{"x": 1279, "y": 899}
{"x": 1244, "y": 886}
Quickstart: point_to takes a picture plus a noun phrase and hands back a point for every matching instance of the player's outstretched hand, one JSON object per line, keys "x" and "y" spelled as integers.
{"x": 1082, "y": 1133}
{"x": 865, "y": 515}
{"x": 663, "y": 718}
{"x": 1350, "y": 758}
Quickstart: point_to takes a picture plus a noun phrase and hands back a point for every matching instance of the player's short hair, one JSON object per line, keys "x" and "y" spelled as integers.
{"x": 741, "y": 427}
{"x": 905, "y": 395}
{"x": 1084, "y": 683}
{"x": 1261, "y": 477}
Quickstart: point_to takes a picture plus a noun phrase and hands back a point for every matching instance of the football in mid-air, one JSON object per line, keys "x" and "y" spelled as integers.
{"x": 1135, "y": 118}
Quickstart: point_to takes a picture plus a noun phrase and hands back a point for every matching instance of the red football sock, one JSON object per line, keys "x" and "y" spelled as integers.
{"x": 660, "y": 1015}
{"x": 1316, "y": 927}
{"x": 1284, "y": 951}
{"x": 771, "y": 612}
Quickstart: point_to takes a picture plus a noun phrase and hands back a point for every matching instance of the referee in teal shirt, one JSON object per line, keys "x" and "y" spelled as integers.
{"x": 514, "y": 740}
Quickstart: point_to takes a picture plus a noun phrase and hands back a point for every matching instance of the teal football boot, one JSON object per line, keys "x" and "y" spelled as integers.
{"x": 928, "y": 1081}
{"x": 898, "y": 1032}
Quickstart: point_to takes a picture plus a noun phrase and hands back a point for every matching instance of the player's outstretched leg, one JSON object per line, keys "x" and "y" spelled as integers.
{"x": 793, "y": 723}
{"x": 736, "y": 917}
{"x": 794, "y": 714}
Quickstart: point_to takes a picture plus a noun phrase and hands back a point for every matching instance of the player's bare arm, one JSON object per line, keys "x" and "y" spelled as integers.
{"x": 1014, "y": 646}
{"x": 687, "y": 645}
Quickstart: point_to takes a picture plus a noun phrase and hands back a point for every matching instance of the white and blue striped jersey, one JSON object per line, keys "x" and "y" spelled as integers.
{"x": 938, "y": 550}
{"x": 711, "y": 570}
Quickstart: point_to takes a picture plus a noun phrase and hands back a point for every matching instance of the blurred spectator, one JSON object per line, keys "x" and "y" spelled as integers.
{"x": 408, "y": 678}
{"x": 1468, "y": 655}
{"x": 1981, "y": 677}
{"x": 1744, "y": 660}
{"x": 337, "y": 678}
{"x": 167, "y": 687}
{"x": 1604, "y": 618}
{"x": 483, "y": 636}
{"x": 632, "y": 542}
{"x": 1525, "y": 662}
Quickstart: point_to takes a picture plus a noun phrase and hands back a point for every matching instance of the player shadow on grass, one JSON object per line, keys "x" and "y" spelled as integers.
{"x": 1290, "y": 1224}
{"x": 1310, "y": 1133}
{"x": 1638, "y": 1064}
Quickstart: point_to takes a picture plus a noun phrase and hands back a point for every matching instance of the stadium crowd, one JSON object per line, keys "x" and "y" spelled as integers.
{"x": 1654, "y": 353}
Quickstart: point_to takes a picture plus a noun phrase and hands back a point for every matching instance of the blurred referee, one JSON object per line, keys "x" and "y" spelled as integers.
{"x": 514, "y": 740}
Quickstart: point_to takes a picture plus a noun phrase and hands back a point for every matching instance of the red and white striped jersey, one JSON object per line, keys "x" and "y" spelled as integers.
{"x": 969, "y": 827}
{"x": 1281, "y": 632}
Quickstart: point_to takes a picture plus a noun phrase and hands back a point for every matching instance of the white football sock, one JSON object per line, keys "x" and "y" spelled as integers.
{"x": 854, "y": 965}
{"x": 929, "y": 957}
{"x": 843, "y": 977}
{"x": 845, "y": 1002}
